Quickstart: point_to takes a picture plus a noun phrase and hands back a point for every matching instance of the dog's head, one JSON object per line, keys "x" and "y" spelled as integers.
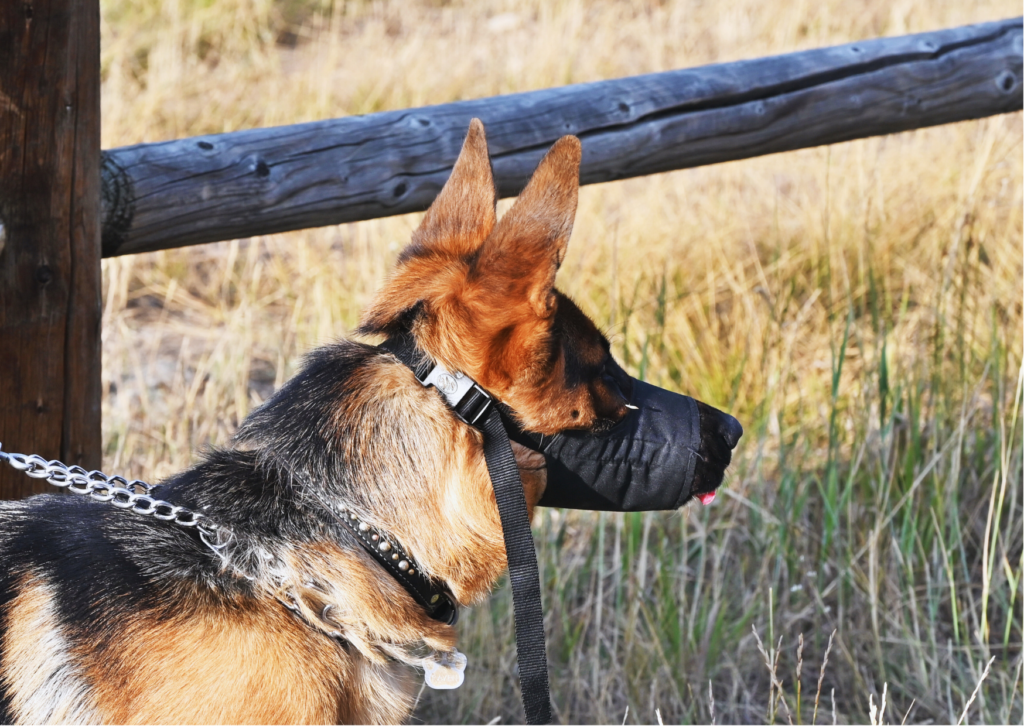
{"x": 479, "y": 295}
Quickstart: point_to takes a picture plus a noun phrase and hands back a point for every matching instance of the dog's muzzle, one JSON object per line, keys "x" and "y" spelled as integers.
{"x": 653, "y": 459}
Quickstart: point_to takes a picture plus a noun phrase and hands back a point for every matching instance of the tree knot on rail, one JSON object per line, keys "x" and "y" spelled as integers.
{"x": 1006, "y": 81}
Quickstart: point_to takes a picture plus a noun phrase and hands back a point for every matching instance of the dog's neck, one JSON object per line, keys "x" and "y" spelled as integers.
{"x": 386, "y": 549}
{"x": 370, "y": 438}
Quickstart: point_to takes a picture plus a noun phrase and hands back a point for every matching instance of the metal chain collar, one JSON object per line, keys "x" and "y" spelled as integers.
{"x": 132, "y": 495}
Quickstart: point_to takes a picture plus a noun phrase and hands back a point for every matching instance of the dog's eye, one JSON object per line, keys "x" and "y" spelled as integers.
{"x": 612, "y": 383}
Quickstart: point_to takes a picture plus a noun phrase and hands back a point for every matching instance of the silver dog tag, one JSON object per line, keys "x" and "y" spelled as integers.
{"x": 446, "y": 671}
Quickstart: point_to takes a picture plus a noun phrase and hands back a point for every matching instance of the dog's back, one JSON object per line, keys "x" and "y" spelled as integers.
{"x": 113, "y": 617}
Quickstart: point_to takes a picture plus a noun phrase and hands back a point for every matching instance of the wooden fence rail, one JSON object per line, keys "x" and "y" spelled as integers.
{"x": 226, "y": 186}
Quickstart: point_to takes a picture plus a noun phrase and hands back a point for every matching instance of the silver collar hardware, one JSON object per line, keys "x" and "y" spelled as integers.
{"x": 135, "y": 495}
{"x": 290, "y": 601}
{"x": 325, "y": 616}
{"x": 457, "y": 387}
{"x": 468, "y": 401}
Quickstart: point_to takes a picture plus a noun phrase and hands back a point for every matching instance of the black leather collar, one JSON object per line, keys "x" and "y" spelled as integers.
{"x": 435, "y": 599}
{"x": 470, "y": 403}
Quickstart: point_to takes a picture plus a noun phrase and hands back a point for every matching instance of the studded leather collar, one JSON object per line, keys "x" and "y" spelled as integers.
{"x": 435, "y": 599}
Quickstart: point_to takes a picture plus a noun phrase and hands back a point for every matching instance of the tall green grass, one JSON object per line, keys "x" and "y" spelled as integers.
{"x": 858, "y": 308}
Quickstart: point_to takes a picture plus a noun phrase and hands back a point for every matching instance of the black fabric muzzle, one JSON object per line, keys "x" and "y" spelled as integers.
{"x": 644, "y": 462}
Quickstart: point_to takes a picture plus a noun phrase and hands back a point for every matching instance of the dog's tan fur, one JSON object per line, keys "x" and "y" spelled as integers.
{"x": 48, "y": 685}
{"x": 109, "y": 616}
{"x": 484, "y": 296}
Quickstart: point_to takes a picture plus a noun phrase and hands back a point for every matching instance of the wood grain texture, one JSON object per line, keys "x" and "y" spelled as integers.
{"x": 226, "y": 186}
{"x": 49, "y": 209}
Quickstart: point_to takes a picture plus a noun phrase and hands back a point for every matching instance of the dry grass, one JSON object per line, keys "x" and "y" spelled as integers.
{"x": 858, "y": 307}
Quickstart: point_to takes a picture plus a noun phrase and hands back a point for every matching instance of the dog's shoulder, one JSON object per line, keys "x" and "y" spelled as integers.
{"x": 94, "y": 559}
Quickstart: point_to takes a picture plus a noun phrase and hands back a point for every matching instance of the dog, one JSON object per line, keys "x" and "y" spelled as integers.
{"x": 279, "y": 613}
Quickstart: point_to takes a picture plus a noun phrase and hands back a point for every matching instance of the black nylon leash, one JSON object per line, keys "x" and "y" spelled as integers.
{"x": 523, "y": 573}
{"x": 476, "y": 407}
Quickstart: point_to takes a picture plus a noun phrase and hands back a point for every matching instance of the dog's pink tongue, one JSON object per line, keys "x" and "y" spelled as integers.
{"x": 707, "y": 498}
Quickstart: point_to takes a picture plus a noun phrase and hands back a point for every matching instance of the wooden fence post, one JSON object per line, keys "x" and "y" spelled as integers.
{"x": 50, "y": 236}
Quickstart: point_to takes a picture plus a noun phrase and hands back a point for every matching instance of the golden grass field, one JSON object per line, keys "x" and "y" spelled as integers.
{"x": 857, "y": 307}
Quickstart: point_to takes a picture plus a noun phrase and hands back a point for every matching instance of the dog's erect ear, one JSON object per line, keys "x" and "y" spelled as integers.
{"x": 528, "y": 244}
{"x": 463, "y": 214}
{"x": 454, "y": 227}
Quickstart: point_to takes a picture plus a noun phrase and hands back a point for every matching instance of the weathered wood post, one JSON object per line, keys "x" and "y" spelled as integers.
{"x": 50, "y": 235}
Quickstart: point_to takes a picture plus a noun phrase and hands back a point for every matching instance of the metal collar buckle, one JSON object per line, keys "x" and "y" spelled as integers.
{"x": 468, "y": 400}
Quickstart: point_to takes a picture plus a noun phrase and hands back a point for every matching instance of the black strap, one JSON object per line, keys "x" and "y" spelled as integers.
{"x": 403, "y": 347}
{"x": 523, "y": 574}
{"x": 475, "y": 409}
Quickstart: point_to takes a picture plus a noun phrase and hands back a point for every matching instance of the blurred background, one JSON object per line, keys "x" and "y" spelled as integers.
{"x": 857, "y": 307}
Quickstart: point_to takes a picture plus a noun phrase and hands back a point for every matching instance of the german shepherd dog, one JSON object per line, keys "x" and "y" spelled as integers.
{"x": 112, "y": 617}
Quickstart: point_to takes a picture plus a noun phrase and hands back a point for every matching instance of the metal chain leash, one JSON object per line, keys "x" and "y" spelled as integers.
{"x": 132, "y": 495}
